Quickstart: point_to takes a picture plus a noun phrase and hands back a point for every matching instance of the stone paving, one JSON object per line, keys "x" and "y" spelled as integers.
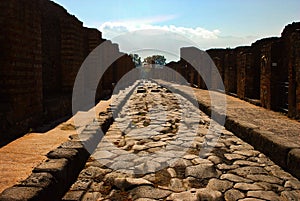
{"x": 161, "y": 147}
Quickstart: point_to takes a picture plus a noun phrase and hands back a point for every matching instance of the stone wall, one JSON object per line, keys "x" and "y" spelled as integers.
{"x": 230, "y": 76}
{"x": 42, "y": 48}
{"x": 266, "y": 73}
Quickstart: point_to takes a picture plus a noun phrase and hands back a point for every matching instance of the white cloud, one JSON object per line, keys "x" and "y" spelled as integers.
{"x": 113, "y": 29}
{"x": 143, "y": 37}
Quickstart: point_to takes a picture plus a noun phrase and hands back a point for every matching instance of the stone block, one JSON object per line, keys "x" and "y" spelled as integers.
{"x": 275, "y": 147}
{"x": 60, "y": 153}
{"x": 293, "y": 162}
{"x": 73, "y": 196}
{"x": 22, "y": 194}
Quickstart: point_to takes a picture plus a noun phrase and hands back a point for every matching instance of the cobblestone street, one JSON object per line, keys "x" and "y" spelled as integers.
{"x": 161, "y": 147}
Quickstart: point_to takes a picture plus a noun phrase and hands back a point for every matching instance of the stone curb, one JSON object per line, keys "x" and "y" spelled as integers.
{"x": 282, "y": 151}
{"x": 52, "y": 179}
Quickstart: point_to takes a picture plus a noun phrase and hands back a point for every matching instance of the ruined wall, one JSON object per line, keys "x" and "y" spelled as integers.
{"x": 272, "y": 74}
{"x": 291, "y": 38}
{"x": 230, "y": 71}
{"x": 21, "y": 67}
{"x": 266, "y": 73}
{"x": 55, "y": 103}
{"x": 192, "y": 59}
{"x": 279, "y": 78}
{"x": 218, "y": 56}
{"x": 243, "y": 60}
{"x": 42, "y": 48}
{"x": 177, "y": 69}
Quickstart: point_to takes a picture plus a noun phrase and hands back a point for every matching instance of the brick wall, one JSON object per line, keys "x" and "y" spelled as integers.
{"x": 291, "y": 38}
{"x": 272, "y": 74}
{"x": 21, "y": 67}
{"x": 230, "y": 71}
{"x": 241, "y": 74}
{"x": 42, "y": 48}
{"x": 218, "y": 56}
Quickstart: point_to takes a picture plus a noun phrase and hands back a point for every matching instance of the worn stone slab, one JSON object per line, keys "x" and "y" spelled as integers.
{"x": 273, "y": 146}
{"x": 43, "y": 180}
{"x": 23, "y": 194}
{"x": 293, "y": 162}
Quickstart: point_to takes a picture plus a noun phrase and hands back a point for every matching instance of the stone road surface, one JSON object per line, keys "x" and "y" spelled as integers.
{"x": 161, "y": 147}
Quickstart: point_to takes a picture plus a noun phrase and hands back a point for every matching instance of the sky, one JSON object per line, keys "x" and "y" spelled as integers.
{"x": 163, "y": 26}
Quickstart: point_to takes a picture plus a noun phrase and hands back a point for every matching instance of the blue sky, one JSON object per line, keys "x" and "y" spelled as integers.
{"x": 209, "y": 23}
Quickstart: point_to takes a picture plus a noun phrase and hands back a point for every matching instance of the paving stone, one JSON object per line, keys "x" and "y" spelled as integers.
{"x": 112, "y": 177}
{"x": 126, "y": 157}
{"x": 137, "y": 147}
{"x": 235, "y": 178}
{"x": 197, "y": 161}
{"x": 91, "y": 196}
{"x": 247, "y": 152}
{"x": 270, "y": 187}
{"x": 93, "y": 172}
{"x": 267, "y": 195}
{"x": 149, "y": 192}
{"x": 201, "y": 171}
{"x": 233, "y": 195}
{"x": 234, "y": 157}
{"x": 247, "y": 187}
{"x": 176, "y": 185}
{"x": 73, "y": 196}
{"x": 208, "y": 194}
{"x": 281, "y": 174}
{"x": 251, "y": 199}
{"x": 240, "y": 147}
{"x": 294, "y": 184}
{"x": 215, "y": 159}
{"x": 219, "y": 185}
{"x": 161, "y": 159}
{"x": 265, "y": 178}
{"x": 152, "y": 166}
{"x": 247, "y": 163}
{"x": 190, "y": 195}
{"x": 244, "y": 171}
{"x": 81, "y": 184}
{"x": 224, "y": 166}
{"x": 179, "y": 163}
{"x": 145, "y": 199}
{"x": 129, "y": 183}
{"x": 119, "y": 165}
{"x": 172, "y": 172}
{"x": 103, "y": 155}
{"x": 96, "y": 186}
{"x": 190, "y": 156}
{"x": 290, "y": 195}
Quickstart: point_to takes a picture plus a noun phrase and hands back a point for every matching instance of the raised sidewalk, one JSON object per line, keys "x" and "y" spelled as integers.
{"x": 20, "y": 157}
{"x": 270, "y": 132}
